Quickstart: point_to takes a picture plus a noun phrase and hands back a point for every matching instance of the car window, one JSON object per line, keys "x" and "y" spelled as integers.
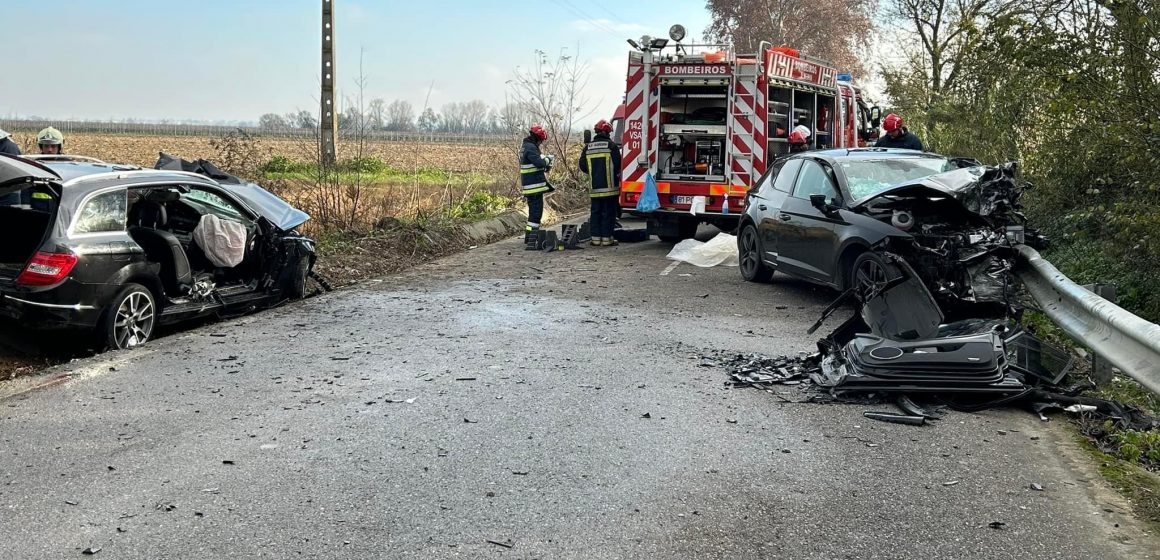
{"x": 814, "y": 180}
{"x": 766, "y": 181}
{"x": 785, "y": 177}
{"x": 102, "y": 213}
{"x": 868, "y": 177}
{"x": 216, "y": 204}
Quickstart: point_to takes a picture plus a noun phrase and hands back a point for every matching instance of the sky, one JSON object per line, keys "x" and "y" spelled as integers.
{"x": 234, "y": 60}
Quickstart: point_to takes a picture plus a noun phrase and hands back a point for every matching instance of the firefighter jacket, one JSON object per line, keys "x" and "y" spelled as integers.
{"x": 907, "y": 141}
{"x": 600, "y": 159}
{"x": 533, "y": 170}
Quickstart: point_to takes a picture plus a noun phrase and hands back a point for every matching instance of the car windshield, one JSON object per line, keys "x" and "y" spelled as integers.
{"x": 868, "y": 177}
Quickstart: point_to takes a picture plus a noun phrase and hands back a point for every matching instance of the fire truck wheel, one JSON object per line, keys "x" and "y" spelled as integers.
{"x": 753, "y": 268}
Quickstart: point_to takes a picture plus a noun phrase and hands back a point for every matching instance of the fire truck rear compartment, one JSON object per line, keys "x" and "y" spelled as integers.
{"x": 693, "y": 123}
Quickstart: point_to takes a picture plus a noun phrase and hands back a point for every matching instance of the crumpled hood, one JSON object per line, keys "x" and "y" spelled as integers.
{"x": 990, "y": 192}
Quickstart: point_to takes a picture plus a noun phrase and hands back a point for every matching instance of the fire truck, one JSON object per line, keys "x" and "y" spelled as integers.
{"x": 705, "y": 122}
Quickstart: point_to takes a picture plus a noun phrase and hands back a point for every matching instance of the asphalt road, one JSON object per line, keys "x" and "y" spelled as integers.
{"x": 554, "y": 404}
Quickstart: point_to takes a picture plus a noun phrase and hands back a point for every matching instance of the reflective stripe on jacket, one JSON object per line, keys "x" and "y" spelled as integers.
{"x": 600, "y": 159}
{"x": 533, "y": 170}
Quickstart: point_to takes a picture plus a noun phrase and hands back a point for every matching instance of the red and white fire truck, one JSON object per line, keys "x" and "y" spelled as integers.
{"x": 707, "y": 124}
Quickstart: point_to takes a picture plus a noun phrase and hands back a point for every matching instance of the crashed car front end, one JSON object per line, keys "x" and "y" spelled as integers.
{"x": 958, "y": 230}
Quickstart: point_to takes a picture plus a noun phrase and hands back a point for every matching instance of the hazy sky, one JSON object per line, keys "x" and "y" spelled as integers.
{"x": 238, "y": 59}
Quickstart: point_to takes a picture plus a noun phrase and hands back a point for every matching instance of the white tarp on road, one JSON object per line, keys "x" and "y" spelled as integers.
{"x": 719, "y": 251}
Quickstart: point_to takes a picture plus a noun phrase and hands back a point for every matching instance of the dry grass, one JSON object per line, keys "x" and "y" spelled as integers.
{"x": 142, "y": 151}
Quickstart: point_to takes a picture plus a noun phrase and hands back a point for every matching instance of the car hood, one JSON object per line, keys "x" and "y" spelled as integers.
{"x": 17, "y": 173}
{"x": 982, "y": 190}
{"x": 269, "y": 206}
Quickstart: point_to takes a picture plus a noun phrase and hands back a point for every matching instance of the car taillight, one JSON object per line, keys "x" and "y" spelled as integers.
{"x": 46, "y": 269}
{"x": 632, "y": 198}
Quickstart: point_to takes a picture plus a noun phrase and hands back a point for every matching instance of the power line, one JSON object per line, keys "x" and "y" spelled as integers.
{"x": 595, "y": 23}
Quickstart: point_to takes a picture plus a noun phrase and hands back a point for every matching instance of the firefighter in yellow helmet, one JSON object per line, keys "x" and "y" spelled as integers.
{"x": 50, "y": 141}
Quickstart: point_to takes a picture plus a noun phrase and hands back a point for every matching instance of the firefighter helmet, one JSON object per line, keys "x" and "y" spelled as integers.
{"x": 603, "y": 126}
{"x": 538, "y": 131}
{"x": 50, "y": 136}
{"x": 892, "y": 122}
{"x": 796, "y": 137}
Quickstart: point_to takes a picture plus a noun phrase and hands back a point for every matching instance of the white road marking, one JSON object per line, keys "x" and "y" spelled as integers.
{"x": 670, "y": 268}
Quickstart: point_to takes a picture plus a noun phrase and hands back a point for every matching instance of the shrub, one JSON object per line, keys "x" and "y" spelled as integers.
{"x": 283, "y": 164}
{"x": 480, "y": 205}
{"x": 365, "y": 165}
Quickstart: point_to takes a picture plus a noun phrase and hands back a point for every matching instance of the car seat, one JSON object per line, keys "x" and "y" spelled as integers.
{"x": 162, "y": 247}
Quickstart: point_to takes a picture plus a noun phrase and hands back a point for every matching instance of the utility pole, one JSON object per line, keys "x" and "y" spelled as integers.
{"x": 329, "y": 123}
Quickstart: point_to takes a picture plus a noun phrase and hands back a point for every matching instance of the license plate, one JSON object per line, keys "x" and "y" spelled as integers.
{"x": 681, "y": 199}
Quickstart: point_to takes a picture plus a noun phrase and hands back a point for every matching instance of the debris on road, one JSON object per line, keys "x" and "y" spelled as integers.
{"x": 91, "y": 550}
{"x": 951, "y": 483}
{"x": 895, "y": 418}
{"x": 1036, "y": 487}
{"x": 996, "y": 524}
{"x": 646, "y": 415}
{"x": 506, "y": 544}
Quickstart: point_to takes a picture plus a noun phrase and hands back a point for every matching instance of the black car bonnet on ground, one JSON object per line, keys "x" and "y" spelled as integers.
{"x": 265, "y": 203}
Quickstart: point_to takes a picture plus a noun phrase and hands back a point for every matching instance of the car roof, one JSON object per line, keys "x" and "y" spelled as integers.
{"x": 69, "y": 170}
{"x": 867, "y": 153}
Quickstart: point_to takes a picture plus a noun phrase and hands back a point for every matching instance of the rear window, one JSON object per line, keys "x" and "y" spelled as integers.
{"x": 102, "y": 213}
{"x": 868, "y": 177}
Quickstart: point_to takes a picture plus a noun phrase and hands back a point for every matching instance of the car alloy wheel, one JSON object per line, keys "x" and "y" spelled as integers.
{"x": 134, "y": 319}
{"x": 870, "y": 276}
{"x": 752, "y": 267}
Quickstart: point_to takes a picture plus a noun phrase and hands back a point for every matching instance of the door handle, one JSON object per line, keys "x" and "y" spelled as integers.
{"x": 785, "y": 217}
{"x": 762, "y": 207}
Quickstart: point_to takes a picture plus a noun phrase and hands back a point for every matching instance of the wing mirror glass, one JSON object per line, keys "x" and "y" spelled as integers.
{"x": 823, "y": 205}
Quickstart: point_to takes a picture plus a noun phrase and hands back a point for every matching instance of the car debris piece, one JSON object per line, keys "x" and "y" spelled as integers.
{"x": 895, "y": 418}
{"x": 505, "y": 544}
{"x": 91, "y": 550}
{"x": 996, "y": 524}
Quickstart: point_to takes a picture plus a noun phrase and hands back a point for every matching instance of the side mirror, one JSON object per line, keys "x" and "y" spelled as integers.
{"x": 587, "y": 136}
{"x": 824, "y": 206}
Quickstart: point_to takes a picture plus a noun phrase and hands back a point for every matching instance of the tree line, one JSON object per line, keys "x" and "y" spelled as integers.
{"x": 470, "y": 117}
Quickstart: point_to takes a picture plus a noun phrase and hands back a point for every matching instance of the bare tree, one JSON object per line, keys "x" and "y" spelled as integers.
{"x": 429, "y": 121}
{"x": 377, "y": 114}
{"x": 832, "y": 30}
{"x": 474, "y": 116}
{"x": 400, "y": 116}
{"x": 552, "y": 93}
{"x": 271, "y": 121}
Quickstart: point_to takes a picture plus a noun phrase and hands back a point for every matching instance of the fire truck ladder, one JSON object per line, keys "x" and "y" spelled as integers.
{"x": 743, "y": 108}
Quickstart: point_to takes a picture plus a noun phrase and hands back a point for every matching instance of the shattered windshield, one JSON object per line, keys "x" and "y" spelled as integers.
{"x": 868, "y": 177}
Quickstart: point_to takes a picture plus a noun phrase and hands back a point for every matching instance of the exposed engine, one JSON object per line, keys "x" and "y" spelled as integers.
{"x": 961, "y": 244}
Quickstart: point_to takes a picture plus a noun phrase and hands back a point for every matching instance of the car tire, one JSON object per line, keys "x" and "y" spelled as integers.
{"x": 871, "y": 272}
{"x": 130, "y": 318}
{"x": 753, "y": 267}
{"x": 300, "y": 279}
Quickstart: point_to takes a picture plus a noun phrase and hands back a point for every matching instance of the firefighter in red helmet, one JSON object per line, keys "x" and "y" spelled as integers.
{"x": 798, "y": 142}
{"x": 897, "y": 136}
{"x": 600, "y": 159}
{"x": 534, "y": 184}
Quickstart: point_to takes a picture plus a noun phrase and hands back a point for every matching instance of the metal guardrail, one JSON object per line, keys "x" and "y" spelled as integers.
{"x": 1127, "y": 341}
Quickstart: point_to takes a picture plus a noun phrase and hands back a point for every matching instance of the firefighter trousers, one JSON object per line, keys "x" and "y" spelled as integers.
{"x": 535, "y": 211}
{"x": 603, "y": 219}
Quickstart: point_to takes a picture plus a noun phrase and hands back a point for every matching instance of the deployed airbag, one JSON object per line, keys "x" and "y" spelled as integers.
{"x": 223, "y": 241}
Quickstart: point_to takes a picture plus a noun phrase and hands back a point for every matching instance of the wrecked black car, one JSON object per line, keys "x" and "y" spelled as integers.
{"x": 831, "y": 217}
{"x": 120, "y": 250}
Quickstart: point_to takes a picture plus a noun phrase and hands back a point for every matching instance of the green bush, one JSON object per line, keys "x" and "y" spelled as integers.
{"x": 283, "y": 164}
{"x": 365, "y": 165}
{"x": 480, "y": 205}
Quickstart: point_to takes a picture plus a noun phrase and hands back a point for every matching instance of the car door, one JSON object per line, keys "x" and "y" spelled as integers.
{"x": 773, "y": 195}
{"x": 808, "y": 239}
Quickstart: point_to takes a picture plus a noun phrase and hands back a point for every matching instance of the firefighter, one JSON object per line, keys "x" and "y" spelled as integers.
{"x": 534, "y": 170}
{"x": 600, "y": 159}
{"x": 50, "y": 141}
{"x": 798, "y": 142}
{"x": 897, "y": 136}
{"x": 7, "y": 146}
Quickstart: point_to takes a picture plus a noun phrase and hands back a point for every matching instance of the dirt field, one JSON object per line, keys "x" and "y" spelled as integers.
{"x": 143, "y": 150}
